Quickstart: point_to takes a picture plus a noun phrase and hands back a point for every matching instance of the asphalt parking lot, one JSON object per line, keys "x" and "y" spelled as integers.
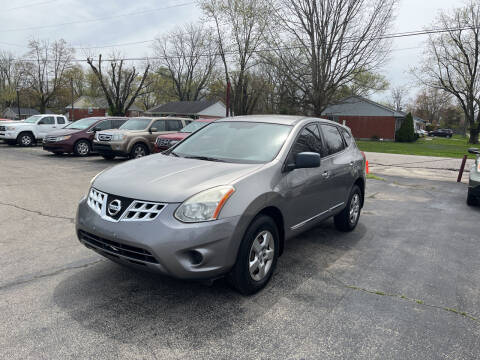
{"x": 404, "y": 285}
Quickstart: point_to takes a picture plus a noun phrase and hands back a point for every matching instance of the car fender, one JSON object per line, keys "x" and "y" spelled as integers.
{"x": 137, "y": 139}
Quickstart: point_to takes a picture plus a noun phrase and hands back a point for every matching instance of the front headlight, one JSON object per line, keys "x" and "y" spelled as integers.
{"x": 11, "y": 128}
{"x": 63, "y": 138}
{"x": 204, "y": 206}
{"x": 118, "y": 137}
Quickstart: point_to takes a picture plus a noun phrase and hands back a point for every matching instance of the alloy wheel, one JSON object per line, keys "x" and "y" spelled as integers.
{"x": 261, "y": 255}
{"x": 139, "y": 152}
{"x": 354, "y": 208}
{"x": 83, "y": 148}
{"x": 26, "y": 140}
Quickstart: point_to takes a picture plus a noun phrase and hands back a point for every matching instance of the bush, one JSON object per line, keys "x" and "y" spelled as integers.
{"x": 406, "y": 133}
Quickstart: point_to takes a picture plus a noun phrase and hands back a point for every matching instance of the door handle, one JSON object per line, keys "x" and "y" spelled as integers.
{"x": 326, "y": 174}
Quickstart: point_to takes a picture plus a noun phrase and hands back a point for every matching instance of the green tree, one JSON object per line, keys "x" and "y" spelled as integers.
{"x": 406, "y": 133}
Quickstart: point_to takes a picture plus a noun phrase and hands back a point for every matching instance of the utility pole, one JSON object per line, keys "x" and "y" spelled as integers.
{"x": 18, "y": 106}
{"x": 227, "y": 99}
{"x": 72, "y": 108}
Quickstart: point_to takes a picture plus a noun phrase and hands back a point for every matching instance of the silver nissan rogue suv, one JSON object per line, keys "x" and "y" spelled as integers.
{"x": 224, "y": 200}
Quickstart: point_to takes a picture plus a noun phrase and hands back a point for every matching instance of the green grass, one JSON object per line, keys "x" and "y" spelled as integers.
{"x": 375, "y": 177}
{"x": 455, "y": 147}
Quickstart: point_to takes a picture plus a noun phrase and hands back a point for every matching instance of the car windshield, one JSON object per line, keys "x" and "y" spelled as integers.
{"x": 82, "y": 124}
{"x": 194, "y": 126}
{"x": 32, "y": 119}
{"x": 135, "y": 124}
{"x": 232, "y": 141}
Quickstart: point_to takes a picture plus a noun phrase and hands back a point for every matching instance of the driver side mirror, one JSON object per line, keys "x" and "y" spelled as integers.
{"x": 474, "y": 151}
{"x": 305, "y": 160}
{"x": 152, "y": 130}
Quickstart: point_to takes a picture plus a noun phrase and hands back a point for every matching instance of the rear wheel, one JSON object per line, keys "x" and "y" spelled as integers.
{"x": 139, "y": 150}
{"x": 82, "y": 148}
{"x": 257, "y": 256}
{"x": 25, "y": 139}
{"x": 347, "y": 220}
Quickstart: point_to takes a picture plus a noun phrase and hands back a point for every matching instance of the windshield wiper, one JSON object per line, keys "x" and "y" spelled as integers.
{"x": 207, "y": 158}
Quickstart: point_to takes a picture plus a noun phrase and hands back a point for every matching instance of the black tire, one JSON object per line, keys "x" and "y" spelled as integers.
{"x": 471, "y": 200}
{"x": 25, "y": 139}
{"x": 139, "y": 150}
{"x": 240, "y": 276}
{"x": 343, "y": 220}
{"x": 82, "y": 148}
{"x": 108, "y": 156}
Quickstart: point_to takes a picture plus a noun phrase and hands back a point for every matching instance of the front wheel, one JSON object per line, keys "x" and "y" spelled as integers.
{"x": 82, "y": 148}
{"x": 139, "y": 150}
{"x": 257, "y": 256}
{"x": 25, "y": 139}
{"x": 347, "y": 220}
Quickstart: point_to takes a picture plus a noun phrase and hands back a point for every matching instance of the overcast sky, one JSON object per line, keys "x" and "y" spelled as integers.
{"x": 156, "y": 17}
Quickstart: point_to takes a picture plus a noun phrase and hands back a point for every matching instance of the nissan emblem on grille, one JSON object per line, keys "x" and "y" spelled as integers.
{"x": 114, "y": 207}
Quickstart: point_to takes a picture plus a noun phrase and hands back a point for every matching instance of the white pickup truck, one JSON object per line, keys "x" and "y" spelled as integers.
{"x": 32, "y": 129}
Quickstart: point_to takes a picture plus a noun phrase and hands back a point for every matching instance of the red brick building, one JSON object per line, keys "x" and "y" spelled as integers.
{"x": 86, "y": 106}
{"x": 366, "y": 119}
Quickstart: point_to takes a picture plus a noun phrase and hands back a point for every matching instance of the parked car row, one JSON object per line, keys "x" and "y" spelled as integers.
{"x": 447, "y": 133}
{"x": 107, "y": 136}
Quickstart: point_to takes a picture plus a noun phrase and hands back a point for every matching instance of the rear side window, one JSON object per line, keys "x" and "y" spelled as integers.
{"x": 159, "y": 125}
{"x": 60, "y": 120}
{"x": 346, "y": 136}
{"x": 48, "y": 120}
{"x": 104, "y": 125}
{"x": 308, "y": 141}
{"x": 333, "y": 139}
{"x": 174, "y": 125}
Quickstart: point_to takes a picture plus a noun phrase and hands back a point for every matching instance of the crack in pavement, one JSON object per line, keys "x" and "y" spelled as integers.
{"x": 38, "y": 212}
{"x": 403, "y": 297}
{"x": 27, "y": 279}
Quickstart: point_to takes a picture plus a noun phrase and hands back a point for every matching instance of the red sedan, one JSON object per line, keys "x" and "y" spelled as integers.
{"x": 163, "y": 142}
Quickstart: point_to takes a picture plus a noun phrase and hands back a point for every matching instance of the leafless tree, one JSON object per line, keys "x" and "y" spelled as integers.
{"x": 325, "y": 44}
{"x": 452, "y": 61}
{"x": 10, "y": 78}
{"x": 240, "y": 27}
{"x": 398, "y": 98}
{"x": 431, "y": 103}
{"x": 44, "y": 68}
{"x": 121, "y": 85}
{"x": 189, "y": 54}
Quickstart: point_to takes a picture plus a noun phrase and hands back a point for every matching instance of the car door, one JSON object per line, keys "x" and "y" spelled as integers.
{"x": 158, "y": 127}
{"x": 60, "y": 122}
{"x": 306, "y": 195}
{"x": 45, "y": 125}
{"x": 338, "y": 163}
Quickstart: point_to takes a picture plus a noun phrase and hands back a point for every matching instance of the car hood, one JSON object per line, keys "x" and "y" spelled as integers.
{"x": 62, "y": 132}
{"x": 17, "y": 123}
{"x": 175, "y": 136}
{"x": 168, "y": 179}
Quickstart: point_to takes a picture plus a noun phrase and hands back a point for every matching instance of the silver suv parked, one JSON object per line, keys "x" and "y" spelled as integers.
{"x": 224, "y": 200}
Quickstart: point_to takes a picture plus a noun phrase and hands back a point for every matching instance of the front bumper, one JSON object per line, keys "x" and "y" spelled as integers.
{"x": 186, "y": 251}
{"x": 111, "y": 148}
{"x": 57, "y": 146}
{"x": 8, "y": 135}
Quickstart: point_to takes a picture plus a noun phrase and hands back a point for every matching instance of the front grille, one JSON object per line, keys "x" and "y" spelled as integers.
{"x": 3, "y": 128}
{"x": 116, "y": 248}
{"x": 125, "y": 209}
{"x": 163, "y": 142}
{"x": 105, "y": 137}
{"x": 50, "y": 138}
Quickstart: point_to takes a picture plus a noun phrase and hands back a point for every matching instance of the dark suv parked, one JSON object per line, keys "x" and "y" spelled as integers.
{"x": 448, "y": 133}
{"x": 77, "y": 137}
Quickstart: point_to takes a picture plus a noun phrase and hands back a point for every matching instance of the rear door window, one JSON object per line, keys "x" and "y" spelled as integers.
{"x": 333, "y": 139}
{"x": 60, "y": 120}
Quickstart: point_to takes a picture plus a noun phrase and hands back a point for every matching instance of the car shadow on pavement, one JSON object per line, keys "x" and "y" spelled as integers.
{"x": 138, "y": 307}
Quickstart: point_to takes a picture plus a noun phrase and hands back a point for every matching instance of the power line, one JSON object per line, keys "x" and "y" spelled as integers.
{"x": 29, "y": 5}
{"x": 97, "y": 19}
{"x": 271, "y": 49}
